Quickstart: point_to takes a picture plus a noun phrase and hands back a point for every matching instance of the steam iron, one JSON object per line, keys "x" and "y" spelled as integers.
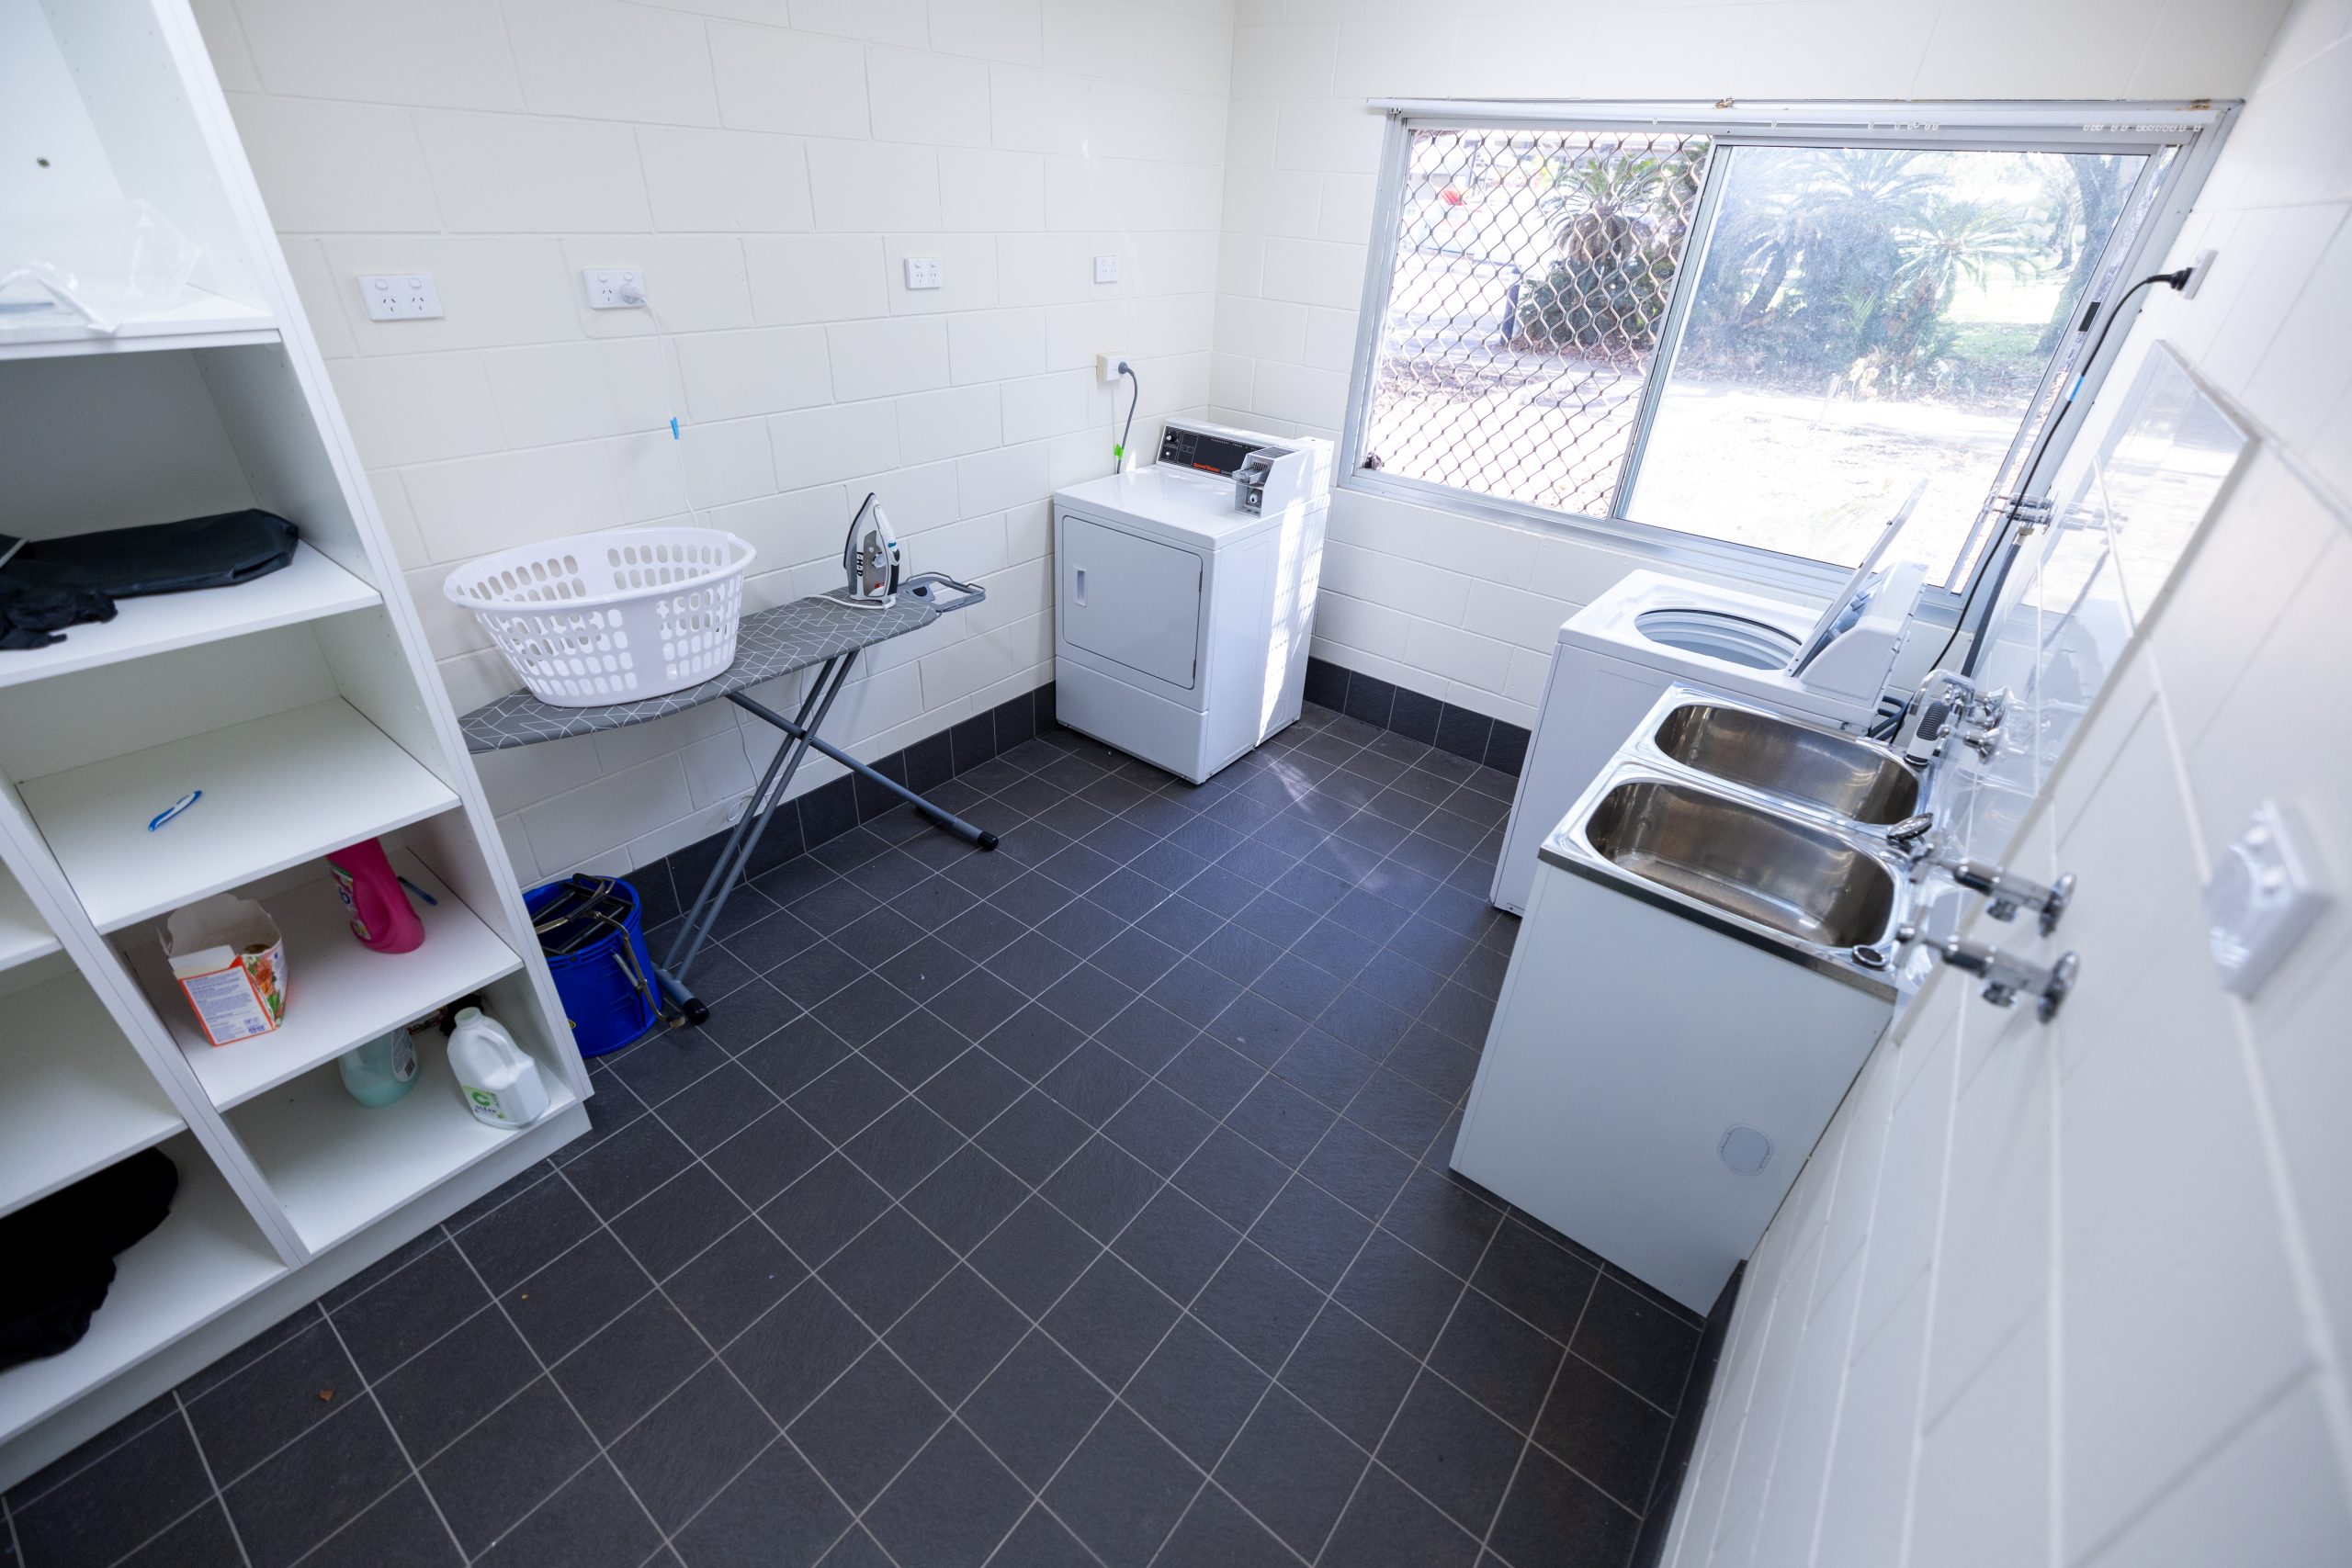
{"x": 871, "y": 559}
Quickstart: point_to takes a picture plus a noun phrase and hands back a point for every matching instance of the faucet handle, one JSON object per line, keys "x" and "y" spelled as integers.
{"x": 2006, "y": 978}
{"x": 2006, "y": 894}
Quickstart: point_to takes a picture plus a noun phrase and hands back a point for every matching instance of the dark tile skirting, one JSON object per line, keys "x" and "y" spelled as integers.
{"x": 1473, "y": 735}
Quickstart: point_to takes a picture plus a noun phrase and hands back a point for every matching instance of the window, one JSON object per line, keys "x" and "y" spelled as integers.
{"x": 1746, "y": 336}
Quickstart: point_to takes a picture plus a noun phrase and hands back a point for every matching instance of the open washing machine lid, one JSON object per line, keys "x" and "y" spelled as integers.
{"x": 1725, "y": 635}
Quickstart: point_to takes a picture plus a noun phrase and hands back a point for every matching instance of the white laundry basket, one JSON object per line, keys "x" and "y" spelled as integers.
{"x": 611, "y": 617}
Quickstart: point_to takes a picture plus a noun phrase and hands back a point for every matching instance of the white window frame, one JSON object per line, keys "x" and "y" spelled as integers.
{"x": 2196, "y": 130}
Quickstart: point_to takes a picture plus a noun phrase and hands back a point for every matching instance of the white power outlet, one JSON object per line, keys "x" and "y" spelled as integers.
{"x": 400, "y": 296}
{"x": 1106, "y": 269}
{"x": 1107, "y": 367}
{"x": 923, "y": 272}
{"x": 614, "y": 287}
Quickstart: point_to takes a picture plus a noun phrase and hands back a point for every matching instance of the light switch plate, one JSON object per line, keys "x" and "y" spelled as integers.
{"x": 922, "y": 272}
{"x": 1106, "y": 269}
{"x": 400, "y": 296}
{"x": 2263, "y": 897}
{"x": 614, "y": 287}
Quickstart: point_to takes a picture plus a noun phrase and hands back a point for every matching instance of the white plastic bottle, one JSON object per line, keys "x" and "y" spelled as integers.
{"x": 498, "y": 1078}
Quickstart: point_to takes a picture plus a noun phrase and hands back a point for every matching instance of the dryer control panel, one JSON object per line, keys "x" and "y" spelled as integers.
{"x": 1268, "y": 473}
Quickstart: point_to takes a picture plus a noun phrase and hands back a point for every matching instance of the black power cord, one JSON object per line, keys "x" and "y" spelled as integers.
{"x": 2178, "y": 279}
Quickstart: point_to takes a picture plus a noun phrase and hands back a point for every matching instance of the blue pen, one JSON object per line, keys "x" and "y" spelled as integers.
{"x": 174, "y": 809}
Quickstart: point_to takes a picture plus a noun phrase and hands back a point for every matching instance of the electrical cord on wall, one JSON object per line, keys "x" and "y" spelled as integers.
{"x": 2178, "y": 279}
{"x": 1119, "y": 447}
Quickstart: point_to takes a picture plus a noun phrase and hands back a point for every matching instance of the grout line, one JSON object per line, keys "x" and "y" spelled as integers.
{"x": 219, "y": 1496}
{"x": 367, "y": 1390}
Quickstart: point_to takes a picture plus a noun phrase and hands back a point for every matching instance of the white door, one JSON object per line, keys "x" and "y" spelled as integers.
{"x": 1131, "y": 600}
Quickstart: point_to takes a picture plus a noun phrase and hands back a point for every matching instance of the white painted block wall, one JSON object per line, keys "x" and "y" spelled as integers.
{"x": 2081, "y": 1294}
{"x": 769, "y": 167}
{"x": 1464, "y": 609}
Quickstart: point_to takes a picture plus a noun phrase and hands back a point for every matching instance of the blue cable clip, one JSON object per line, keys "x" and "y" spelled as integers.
{"x": 174, "y": 809}
{"x": 674, "y": 427}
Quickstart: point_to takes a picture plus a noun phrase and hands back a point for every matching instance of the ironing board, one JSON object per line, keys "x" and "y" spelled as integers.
{"x": 823, "y": 630}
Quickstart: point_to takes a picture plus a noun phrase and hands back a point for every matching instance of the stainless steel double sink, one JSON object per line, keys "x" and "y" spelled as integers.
{"x": 1762, "y": 826}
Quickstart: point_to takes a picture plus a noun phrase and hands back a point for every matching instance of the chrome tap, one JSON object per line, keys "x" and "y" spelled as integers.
{"x": 1949, "y": 707}
{"x": 2009, "y": 894}
{"x": 2007, "y": 978}
{"x": 1913, "y": 838}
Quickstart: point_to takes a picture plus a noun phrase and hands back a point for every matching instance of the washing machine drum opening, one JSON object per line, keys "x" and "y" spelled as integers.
{"x": 1719, "y": 634}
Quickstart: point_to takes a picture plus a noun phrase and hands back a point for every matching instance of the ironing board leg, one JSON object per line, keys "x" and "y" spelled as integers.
{"x": 735, "y": 856}
{"x": 945, "y": 819}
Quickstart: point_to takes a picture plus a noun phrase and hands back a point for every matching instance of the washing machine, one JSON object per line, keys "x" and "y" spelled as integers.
{"x": 1185, "y": 595}
{"x": 1615, "y": 657}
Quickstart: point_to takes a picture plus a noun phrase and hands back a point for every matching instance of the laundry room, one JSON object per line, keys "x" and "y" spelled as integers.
{"x": 1135, "y": 784}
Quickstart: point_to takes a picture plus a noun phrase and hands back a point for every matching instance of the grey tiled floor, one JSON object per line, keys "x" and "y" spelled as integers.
{"x": 1082, "y": 1203}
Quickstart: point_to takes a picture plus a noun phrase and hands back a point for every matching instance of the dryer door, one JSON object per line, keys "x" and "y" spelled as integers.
{"x": 1131, "y": 600}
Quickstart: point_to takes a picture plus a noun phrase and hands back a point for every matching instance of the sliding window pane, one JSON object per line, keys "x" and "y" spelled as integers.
{"x": 1532, "y": 276}
{"x": 1865, "y": 318}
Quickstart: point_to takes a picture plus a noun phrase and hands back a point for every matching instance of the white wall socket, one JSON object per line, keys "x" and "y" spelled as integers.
{"x": 400, "y": 296}
{"x": 1106, "y": 269}
{"x": 614, "y": 287}
{"x": 1107, "y": 365}
{"x": 922, "y": 272}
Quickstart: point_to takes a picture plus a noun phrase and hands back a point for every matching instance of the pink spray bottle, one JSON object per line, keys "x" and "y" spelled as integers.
{"x": 381, "y": 917}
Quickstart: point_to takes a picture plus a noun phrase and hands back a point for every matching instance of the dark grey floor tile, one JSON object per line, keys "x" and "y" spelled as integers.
{"x": 558, "y": 1307}
{"x": 972, "y": 1090}
{"x": 1034, "y": 1254}
{"x": 771, "y": 941}
{"x": 1261, "y": 1308}
{"x": 1216, "y": 1533}
{"x": 951, "y": 1508}
{"x": 811, "y": 976}
{"x": 768, "y": 1156}
{"x": 1033, "y": 1136}
{"x": 1386, "y": 1526}
{"x": 204, "y": 1539}
{"x": 276, "y": 1400}
{"x": 714, "y": 1107}
{"x": 661, "y": 1065}
{"x": 881, "y": 932}
{"x": 162, "y": 1407}
{"x": 1101, "y": 1187}
{"x": 1087, "y": 998}
{"x": 630, "y": 1365}
{"x": 433, "y": 1399}
{"x": 1295, "y": 986}
{"x": 1363, "y": 1021}
{"x": 693, "y": 1443}
{"x": 1313, "y": 1232}
{"x": 788, "y": 1357}
{"x": 1035, "y": 1407}
{"x": 776, "y": 1514}
{"x": 906, "y": 1143}
{"x": 1111, "y": 1319}
{"x": 1552, "y": 1517}
{"x": 1082, "y": 926}
{"x": 1351, "y": 1373}
{"x": 1443, "y": 1218}
{"x": 734, "y": 1282}
{"x": 1498, "y": 1358}
{"x": 1176, "y": 1244}
{"x": 1135, "y": 958}
{"x": 519, "y": 1237}
{"x": 1362, "y": 1172}
{"x": 669, "y": 1224}
{"x": 955, "y": 1336}
{"x": 966, "y": 1198}
{"x": 1442, "y": 1066}
{"x": 339, "y": 1296}
{"x": 1212, "y": 1077}
{"x": 1180, "y": 923}
{"x": 590, "y": 1520}
{"x": 1091, "y": 1082}
{"x": 1258, "y": 1027}
{"x": 1325, "y": 1067}
{"x": 1032, "y": 962}
{"x": 860, "y": 1012}
{"x": 1032, "y": 1041}
{"x": 506, "y": 1465}
{"x": 1195, "y": 1390}
{"x": 750, "y": 1013}
{"x": 887, "y": 1268}
{"x": 1232, "y": 1178}
{"x": 977, "y": 1004}
{"x": 1541, "y": 1281}
{"x": 1637, "y": 1341}
{"x": 857, "y": 1549}
{"x": 402, "y": 1528}
{"x": 1399, "y": 1110}
{"x": 915, "y": 1047}
{"x": 309, "y": 1489}
{"x": 822, "y": 1210}
{"x": 1148, "y": 1034}
{"x": 1281, "y": 1120}
{"x": 1463, "y": 1013}
{"x": 628, "y": 1166}
{"x": 1293, "y": 1471}
{"x": 864, "y": 1428}
{"x": 793, "y": 1056}
{"x": 1399, "y": 1292}
{"x": 1452, "y": 1453}
{"x": 981, "y": 931}
{"x": 407, "y": 1311}
{"x": 1159, "y": 1127}
{"x": 1040, "y": 1542}
{"x": 1604, "y": 1431}
{"x": 847, "y": 1099}
{"x": 112, "y": 1502}
{"x": 1123, "y": 1490}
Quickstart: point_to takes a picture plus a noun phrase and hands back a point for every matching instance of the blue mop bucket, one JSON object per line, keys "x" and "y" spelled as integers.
{"x": 607, "y": 985}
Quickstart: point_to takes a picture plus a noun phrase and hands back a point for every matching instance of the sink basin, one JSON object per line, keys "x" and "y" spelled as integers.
{"x": 1855, "y": 781}
{"x": 1786, "y": 875}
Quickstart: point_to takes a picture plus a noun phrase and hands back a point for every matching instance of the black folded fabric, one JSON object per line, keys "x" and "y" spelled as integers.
{"x": 59, "y": 1252}
{"x": 50, "y": 584}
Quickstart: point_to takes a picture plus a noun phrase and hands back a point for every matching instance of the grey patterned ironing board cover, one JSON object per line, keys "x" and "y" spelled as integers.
{"x": 769, "y": 643}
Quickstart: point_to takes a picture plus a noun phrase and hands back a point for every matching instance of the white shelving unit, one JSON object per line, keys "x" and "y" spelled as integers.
{"x": 304, "y": 704}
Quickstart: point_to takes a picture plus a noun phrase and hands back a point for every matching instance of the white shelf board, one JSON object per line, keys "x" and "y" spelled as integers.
{"x": 278, "y": 791}
{"x": 339, "y": 994}
{"x": 337, "y": 1166}
{"x": 24, "y": 935}
{"x": 308, "y": 587}
{"x": 75, "y": 1096}
{"x": 201, "y": 321}
{"x": 204, "y": 1258}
